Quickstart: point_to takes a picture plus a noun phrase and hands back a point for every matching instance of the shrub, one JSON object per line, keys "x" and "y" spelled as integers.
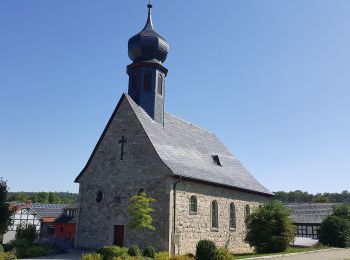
{"x": 1, "y": 248}
{"x": 109, "y": 252}
{"x": 206, "y": 250}
{"x": 162, "y": 256}
{"x": 335, "y": 231}
{"x": 342, "y": 211}
{"x": 36, "y": 251}
{"x": 28, "y": 233}
{"x": 134, "y": 251}
{"x": 8, "y": 255}
{"x": 9, "y": 246}
{"x": 149, "y": 251}
{"x": 93, "y": 256}
{"x": 132, "y": 258}
{"x": 269, "y": 228}
{"x": 183, "y": 257}
{"x": 224, "y": 254}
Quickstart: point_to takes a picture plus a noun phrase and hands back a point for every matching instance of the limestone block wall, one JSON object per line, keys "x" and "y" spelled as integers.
{"x": 118, "y": 180}
{"x": 194, "y": 227}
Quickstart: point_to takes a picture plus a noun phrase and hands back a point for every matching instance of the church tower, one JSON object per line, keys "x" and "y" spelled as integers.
{"x": 148, "y": 50}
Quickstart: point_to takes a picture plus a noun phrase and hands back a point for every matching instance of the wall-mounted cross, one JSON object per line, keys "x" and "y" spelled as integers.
{"x": 122, "y": 142}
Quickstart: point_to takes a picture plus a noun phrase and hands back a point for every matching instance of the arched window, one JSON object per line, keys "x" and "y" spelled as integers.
{"x": 193, "y": 204}
{"x": 214, "y": 214}
{"x": 232, "y": 223}
{"x": 160, "y": 84}
{"x": 247, "y": 210}
{"x": 147, "y": 81}
{"x": 99, "y": 196}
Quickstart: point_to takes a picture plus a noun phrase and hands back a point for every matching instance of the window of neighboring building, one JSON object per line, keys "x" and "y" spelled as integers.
{"x": 193, "y": 204}
{"x": 147, "y": 84}
{"x": 214, "y": 215}
{"x": 99, "y": 196}
{"x": 160, "y": 85}
{"x": 232, "y": 223}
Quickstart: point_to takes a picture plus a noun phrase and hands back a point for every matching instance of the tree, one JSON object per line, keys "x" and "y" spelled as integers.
{"x": 140, "y": 212}
{"x": 320, "y": 199}
{"x": 335, "y": 229}
{"x": 269, "y": 228}
{"x": 54, "y": 198}
{"x": 5, "y": 213}
{"x": 342, "y": 211}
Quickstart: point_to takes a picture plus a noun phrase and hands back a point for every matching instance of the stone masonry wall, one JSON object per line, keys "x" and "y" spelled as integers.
{"x": 119, "y": 180}
{"x": 194, "y": 227}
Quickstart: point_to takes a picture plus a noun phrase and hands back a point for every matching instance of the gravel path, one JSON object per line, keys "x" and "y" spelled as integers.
{"x": 73, "y": 256}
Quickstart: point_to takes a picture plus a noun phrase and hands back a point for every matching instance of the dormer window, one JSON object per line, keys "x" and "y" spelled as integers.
{"x": 216, "y": 159}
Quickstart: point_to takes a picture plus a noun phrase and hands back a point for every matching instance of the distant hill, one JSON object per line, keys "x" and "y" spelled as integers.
{"x": 43, "y": 197}
{"x": 303, "y": 196}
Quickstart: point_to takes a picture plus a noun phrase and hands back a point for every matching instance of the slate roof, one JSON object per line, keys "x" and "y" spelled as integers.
{"x": 310, "y": 213}
{"x": 48, "y": 210}
{"x": 188, "y": 149}
{"x": 64, "y": 219}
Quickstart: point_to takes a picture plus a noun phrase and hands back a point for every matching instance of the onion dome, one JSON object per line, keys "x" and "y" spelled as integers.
{"x": 148, "y": 45}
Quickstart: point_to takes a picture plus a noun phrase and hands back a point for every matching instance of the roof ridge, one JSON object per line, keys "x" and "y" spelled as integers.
{"x": 189, "y": 123}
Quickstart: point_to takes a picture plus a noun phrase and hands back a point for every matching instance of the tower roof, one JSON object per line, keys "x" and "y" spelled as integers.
{"x": 148, "y": 45}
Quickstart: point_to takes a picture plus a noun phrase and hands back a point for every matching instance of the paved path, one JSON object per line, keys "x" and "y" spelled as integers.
{"x": 73, "y": 256}
{"x": 331, "y": 254}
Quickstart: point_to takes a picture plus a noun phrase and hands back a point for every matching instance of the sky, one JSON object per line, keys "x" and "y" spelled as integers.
{"x": 270, "y": 78}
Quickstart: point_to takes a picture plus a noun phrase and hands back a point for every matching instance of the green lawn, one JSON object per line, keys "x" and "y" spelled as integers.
{"x": 288, "y": 251}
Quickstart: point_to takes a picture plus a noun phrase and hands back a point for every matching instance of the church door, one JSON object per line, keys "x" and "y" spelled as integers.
{"x": 119, "y": 235}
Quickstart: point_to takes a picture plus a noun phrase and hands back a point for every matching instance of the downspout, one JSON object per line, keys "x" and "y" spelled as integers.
{"x": 174, "y": 213}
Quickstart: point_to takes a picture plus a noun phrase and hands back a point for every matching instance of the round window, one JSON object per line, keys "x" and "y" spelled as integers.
{"x": 99, "y": 196}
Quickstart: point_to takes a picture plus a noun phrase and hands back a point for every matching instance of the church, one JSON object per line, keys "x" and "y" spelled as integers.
{"x": 202, "y": 191}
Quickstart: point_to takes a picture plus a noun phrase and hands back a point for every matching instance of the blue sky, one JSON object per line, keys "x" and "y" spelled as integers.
{"x": 270, "y": 78}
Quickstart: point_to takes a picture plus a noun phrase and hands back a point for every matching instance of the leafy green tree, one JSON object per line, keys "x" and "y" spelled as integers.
{"x": 43, "y": 197}
{"x": 342, "y": 211}
{"x": 269, "y": 228}
{"x": 335, "y": 229}
{"x": 54, "y": 198}
{"x": 140, "y": 212}
{"x": 5, "y": 214}
{"x": 300, "y": 196}
{"x": 27, "y": 233}
{"x": 320, "y": 199}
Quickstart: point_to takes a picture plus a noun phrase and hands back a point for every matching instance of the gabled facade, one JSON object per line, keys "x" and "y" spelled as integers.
{"x": 40, "y": 215}
{"x": 23, "y": 215}
{"x": 202, "y": 191}
{"x": 65, "y": 224}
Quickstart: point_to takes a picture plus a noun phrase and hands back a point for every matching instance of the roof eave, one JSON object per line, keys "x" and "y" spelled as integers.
{"x": 224, "y": 185}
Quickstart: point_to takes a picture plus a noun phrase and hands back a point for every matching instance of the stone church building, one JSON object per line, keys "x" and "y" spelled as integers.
{"x": 202, "y": 191}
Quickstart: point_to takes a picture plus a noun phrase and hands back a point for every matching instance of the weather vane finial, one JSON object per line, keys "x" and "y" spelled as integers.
{"x": 149, "y": 4}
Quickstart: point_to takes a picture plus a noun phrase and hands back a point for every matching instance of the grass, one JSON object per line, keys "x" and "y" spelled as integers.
{"x": 289, "y": 250}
